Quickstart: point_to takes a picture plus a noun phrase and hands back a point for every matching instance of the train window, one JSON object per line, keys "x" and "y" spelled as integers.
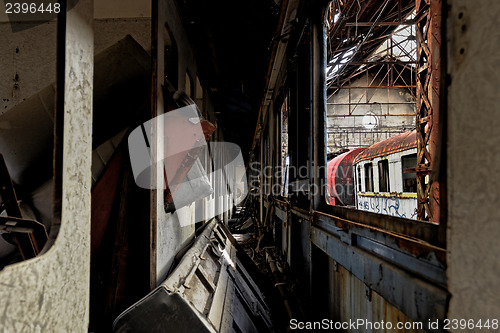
{"x": 383, "y": 176}
{"x": 359, "y": 179}
{"x": 368, "y": 177}
{"x": 408, "y": 165}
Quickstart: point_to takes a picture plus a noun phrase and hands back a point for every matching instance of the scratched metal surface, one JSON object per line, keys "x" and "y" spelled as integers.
{"x": 351, "y": 299}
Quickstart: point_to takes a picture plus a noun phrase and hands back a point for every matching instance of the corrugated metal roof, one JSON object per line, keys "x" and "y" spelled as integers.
{"x": 395, "y": 144}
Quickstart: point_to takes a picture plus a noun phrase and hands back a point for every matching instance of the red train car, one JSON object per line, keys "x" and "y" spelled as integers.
{"x": 340, "y": 189}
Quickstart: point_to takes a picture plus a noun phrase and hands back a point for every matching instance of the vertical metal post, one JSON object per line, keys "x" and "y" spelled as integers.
{"x": 278, "y": 143}
{"x": 154, "y": 113}
{"x": 262, "y": 178}
{"x": 428, "y": 74}
{"x": 319, "y": 107}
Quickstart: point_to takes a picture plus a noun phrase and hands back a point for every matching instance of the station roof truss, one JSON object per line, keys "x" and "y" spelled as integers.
{"x": 365, "y": 34}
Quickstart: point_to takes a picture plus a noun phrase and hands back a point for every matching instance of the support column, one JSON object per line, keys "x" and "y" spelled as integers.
{"x": 473, "y": 158}
{"x": 319, "y": 109}
{"x": 429, "y": 71}
{"x": 50, "y": 292}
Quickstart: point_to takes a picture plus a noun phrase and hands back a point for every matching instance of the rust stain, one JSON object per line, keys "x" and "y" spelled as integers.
{"x": 414, "y": 246}
{"x": 420, "y": 249}
{"x": 395, "y": 144}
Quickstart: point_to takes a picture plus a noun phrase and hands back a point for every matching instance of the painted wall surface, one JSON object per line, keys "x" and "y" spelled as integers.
{"x": 27, "y": 62}
{"x": 347, "y": 131}
{"x": 50, "y": 293}
{"x": 473, "y": 159}
{"x": 28, "y": 57}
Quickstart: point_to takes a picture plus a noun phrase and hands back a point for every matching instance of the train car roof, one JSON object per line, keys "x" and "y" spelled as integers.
{"x": 392, "y": 145}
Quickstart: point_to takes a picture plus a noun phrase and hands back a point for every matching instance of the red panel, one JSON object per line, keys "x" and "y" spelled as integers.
{"x": 340, "y": 178}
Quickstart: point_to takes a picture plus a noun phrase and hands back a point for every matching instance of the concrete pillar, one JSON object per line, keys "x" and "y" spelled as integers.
{"x": 473, "y": 160}
{"x": 50, "y": 293}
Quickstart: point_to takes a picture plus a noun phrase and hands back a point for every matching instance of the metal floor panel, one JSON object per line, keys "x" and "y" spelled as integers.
{"x": 208, "y": 291}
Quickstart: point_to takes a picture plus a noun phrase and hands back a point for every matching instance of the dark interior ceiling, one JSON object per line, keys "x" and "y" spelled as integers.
{"x": 232, "y": 44}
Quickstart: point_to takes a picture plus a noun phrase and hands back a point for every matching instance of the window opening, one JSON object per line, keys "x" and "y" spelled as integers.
{"x": 383, "y": 176}
{"x": 359, "y": 179}
{"x": 409, "y": 164}
{"x": 368, "y": 177}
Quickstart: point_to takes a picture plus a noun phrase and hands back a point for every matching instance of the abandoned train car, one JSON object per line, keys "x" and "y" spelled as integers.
{"x": 341, "y": 188}
{"x": 380, "y": 178}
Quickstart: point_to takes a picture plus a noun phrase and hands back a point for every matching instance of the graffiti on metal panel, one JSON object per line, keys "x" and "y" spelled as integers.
{"x": 385, "y": 205}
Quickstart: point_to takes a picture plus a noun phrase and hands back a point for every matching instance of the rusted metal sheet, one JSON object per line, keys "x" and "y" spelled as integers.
{"x": 400, "y": 239}
{"x": 208, "y": 291}
{"x": 410, "y": 245}
{"x": 351, "y": 298}
{"x": 392, "y": 145}
{"x": 429, "y": 69}
{"x": 379, "y": 274}
{"x": 421, "y": 230}
{"x": 418, "y": 299}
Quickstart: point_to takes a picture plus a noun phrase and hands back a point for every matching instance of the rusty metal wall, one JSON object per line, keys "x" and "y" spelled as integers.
{"x": 403, "y": 275}
{"x": 349, "y": 298}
